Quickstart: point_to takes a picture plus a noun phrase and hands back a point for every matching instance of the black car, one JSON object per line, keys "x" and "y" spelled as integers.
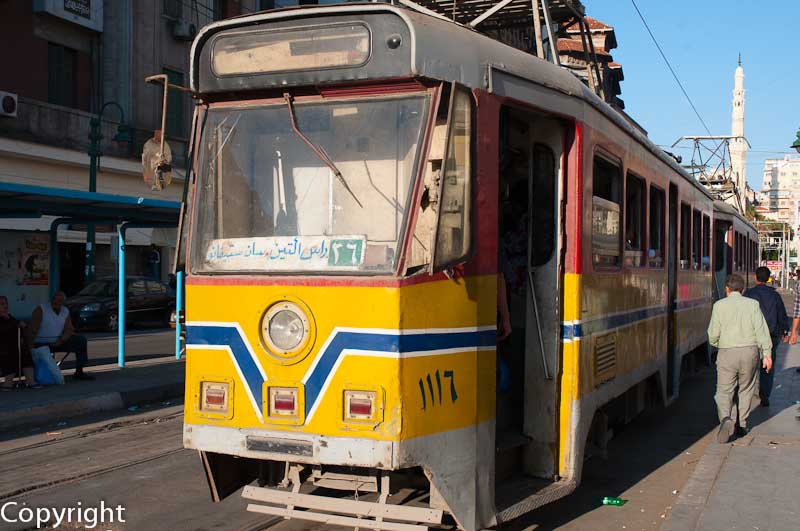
{"x": 147, "y": 300}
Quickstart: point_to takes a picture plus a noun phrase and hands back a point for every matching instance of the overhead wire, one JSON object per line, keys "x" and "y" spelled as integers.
{"x": 671, "y": 69}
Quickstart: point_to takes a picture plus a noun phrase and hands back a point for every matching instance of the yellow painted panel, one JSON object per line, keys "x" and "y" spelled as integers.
{"x": 449, "y": 304}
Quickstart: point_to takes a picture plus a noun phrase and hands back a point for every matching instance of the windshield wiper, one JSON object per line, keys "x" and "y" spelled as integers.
{"x": 318, "y": 150}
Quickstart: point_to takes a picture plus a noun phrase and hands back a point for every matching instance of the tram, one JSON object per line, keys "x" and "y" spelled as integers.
{"x": 371, "y": 186}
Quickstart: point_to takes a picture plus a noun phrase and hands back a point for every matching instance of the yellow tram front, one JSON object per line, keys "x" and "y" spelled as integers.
{"x": 327, "y": 342}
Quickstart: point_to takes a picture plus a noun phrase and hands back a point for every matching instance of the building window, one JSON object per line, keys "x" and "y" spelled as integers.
{"x": 697, "y": 231}
{"x": 61, "y": 75}
{"x": 176, "y": 106}
{"x": 656, "y": 251}
{"x": 606, "y": 202}
{"x": 686, "y": 235}
{"x": 634, "y": 221}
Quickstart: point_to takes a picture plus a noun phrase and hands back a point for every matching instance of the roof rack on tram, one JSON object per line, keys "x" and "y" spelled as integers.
{"x": 529, "y": 25}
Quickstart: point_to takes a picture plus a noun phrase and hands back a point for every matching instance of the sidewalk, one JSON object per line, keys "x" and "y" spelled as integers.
{"x": 753, "y": 482}
{"x": 140, "y": 381}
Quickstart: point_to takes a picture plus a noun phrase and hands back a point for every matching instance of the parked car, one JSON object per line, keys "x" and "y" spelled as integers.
{"x": 147, "y": 300}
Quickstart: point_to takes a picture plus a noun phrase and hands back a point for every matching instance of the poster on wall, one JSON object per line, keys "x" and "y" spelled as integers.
{"x": 33, "y": 261}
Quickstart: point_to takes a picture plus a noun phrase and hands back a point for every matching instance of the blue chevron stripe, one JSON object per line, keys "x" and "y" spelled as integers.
{"x": 393, "y": 343}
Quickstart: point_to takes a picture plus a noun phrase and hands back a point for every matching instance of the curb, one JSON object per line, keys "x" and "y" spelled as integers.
{"x": 686, "y": 513}
{"x": 56, "y": 411}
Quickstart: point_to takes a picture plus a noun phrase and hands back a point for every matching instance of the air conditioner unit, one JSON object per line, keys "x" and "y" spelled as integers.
{"x": 183, "y": 30}
{"x": 8, "y": 104}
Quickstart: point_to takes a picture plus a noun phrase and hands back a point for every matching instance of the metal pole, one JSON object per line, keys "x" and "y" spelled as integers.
{"x": 537, "y": 29}
{"x": 179, "y": 304}
{"x": 121, "y": 297}
{"x": 94, "y": 154}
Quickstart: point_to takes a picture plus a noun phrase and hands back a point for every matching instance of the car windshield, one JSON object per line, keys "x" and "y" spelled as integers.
{"x": 100, "y": 288}
{"x": 267, "y": 202}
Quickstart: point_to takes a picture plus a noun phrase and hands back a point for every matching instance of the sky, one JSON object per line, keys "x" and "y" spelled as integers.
{"x": 702, "y": 40}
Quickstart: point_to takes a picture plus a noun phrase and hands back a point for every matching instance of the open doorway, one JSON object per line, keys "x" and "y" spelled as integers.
{"x": 530, "y": 172}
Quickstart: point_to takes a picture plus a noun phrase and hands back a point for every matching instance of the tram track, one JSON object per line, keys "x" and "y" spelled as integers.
{"x": 84, "y": 433}
{"x": 88, "y": 453}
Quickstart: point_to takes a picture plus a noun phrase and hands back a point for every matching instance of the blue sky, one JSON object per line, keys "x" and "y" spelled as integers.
{"x": 702, "y": 39}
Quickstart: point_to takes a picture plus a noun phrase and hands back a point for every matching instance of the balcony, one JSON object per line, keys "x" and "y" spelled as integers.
{"x": 53, "y": 125}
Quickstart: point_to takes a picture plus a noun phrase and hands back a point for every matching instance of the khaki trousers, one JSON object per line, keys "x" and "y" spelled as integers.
{"x": 737, "y": 366}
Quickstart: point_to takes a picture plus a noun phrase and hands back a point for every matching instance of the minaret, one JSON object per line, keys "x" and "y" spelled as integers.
{"x": 738, "y": 144}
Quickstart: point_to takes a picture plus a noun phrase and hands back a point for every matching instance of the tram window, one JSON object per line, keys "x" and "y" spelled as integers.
{"x": 706, "y": 260}
{"x": 656, "y": 252}
{"x": 267, "y": 203}
{"x": 720, "y": 246}
{"x": 607, "y": 185}
{"x": 634, "y": 221}
{"x": 453, "y": 233}
{"x": 697, "y": 231}
{"x": 543, "y": 239}
{"x": 737, "y": 251}
{"x": 686, "y": 235}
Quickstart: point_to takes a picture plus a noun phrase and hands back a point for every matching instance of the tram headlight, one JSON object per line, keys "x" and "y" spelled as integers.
{"x": 286, "y": 330}
{"x": 285, "y": 327}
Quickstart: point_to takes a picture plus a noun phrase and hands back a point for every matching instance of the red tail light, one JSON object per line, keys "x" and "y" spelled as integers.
{"x": 214, "y": 397}
{"x": 359, "y": 405}
{"x": 283, "y": 401}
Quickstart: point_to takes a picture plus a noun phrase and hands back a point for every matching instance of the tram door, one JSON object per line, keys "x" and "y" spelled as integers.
{"x": 720, "y": 258}
{"x": 672, "y": 291}
{"x": 530, "y": 179}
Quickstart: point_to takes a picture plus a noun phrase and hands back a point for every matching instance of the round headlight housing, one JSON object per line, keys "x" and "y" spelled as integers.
{"x": 285, "y": 328}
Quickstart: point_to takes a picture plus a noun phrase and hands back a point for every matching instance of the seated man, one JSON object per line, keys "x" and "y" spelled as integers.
{"x": 51, "y": 326}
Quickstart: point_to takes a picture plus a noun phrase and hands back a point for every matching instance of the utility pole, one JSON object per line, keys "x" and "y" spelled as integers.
{"x": 95, "y": 137}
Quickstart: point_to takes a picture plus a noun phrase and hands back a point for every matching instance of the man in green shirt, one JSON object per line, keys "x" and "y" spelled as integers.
{"x": 740, "y": 332}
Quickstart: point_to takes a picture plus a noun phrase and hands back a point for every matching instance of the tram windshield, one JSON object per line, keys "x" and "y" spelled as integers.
{"x": 267, "y": 202}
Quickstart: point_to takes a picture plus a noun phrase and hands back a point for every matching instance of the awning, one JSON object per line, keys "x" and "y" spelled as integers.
{"x": 24, "y": 200}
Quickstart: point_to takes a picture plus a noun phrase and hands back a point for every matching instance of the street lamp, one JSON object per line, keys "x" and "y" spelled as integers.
{"x": 796, "y": 144}
{"x": 95, "y": 136}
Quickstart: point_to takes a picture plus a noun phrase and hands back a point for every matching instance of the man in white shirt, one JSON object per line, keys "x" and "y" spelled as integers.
{"x": 52, "y": 327}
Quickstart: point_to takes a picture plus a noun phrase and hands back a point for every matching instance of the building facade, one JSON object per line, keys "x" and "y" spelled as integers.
{"x": 780, "y": 193}
{"x": 71, "y": 59}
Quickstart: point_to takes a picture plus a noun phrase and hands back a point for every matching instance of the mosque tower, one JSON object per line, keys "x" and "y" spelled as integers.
{"x": 738, "y": 144}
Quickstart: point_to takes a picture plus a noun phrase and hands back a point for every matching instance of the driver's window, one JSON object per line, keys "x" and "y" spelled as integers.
{"x": 137, "y": 287}
{"x": 453, "y": 233}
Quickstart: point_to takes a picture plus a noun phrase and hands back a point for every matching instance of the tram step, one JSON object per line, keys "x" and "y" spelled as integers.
{"x": 523, "y": 494}
{"x": 507, "y": 440}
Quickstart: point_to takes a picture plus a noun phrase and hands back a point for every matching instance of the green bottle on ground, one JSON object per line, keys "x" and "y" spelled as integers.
{"x": 612, "y": 500}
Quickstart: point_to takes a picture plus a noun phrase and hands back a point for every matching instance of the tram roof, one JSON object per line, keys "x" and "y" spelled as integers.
{"x": 462, "y": 55}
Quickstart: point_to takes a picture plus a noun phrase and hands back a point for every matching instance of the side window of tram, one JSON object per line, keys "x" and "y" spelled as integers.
{"x": 697, "y": 230}
{"x": 543, "y": 239}
{"x": 656, "y": 252}
{"x": 634, "y": 221}
{"x": 706, "y": 260}
{"x": 686, "y": 235}
{"x": 453, "y": 234}
{"x": 606, "y": 201}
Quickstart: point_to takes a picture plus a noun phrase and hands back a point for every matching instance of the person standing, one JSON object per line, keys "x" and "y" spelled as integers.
{"x": 740, "y": 332}
{"x": 52, "y": 327}
{"x": 778, "y": 322}
{"x": 154, "y": 262}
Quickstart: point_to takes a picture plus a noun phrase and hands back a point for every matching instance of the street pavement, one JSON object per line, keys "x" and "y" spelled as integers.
{"x": 136, "y": 459}
{"x": 753, "y": 482}
{"x": 665, "y": 463}
{"x": 140, "y": 344}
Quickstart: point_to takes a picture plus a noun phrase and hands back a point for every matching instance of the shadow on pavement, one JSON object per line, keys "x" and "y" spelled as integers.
{"x": 637, "y": 450}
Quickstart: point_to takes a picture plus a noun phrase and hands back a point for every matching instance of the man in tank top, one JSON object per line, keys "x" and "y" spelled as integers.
{"x": 51, "y": 326}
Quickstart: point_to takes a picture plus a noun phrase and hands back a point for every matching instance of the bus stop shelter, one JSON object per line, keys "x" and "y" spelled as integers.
{"x": 80, "y": 207}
